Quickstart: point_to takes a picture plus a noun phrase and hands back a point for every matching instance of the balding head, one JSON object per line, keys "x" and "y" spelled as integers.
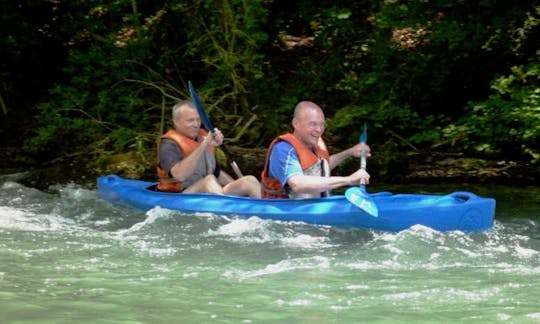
{"x": 308, "y": 122}
{"x": 304, "y": 106}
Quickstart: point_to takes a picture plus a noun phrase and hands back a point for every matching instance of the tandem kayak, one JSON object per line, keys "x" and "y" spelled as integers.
{"x": 457, "y": 211}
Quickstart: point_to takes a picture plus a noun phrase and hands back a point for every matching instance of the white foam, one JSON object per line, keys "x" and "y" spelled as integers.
{"x": 307, "y": 241}
{"x": 152, "y": 215}
{"x": 299, "y": 302}
{"x": 19, "y": 219}
{"x": 11, "y": 185}
{"x": 317, "y": 262}
{"x": 11, "y": 218}
{"x": 534, "y": 316}
{"x": 357, "y": 287}
{"x": 525, "y": 253}
{"x": 238, "y": 227}
{"x": 257, "y": 230}
{"x": 378, "y": 265}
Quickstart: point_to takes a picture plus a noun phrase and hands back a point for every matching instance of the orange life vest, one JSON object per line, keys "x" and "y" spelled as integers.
{"x": 187, "y": 145}
{"x": 272, "y": 187}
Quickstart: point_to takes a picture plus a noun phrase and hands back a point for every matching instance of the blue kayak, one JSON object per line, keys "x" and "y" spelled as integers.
{"x": 457, "y": 211}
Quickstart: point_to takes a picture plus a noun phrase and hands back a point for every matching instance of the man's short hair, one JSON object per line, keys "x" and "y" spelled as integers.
{"x": 178, "y": 105}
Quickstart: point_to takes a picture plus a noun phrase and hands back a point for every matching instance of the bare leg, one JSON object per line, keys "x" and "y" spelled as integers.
{"x": 245, "y": 186}
{"x": 207, "y": 184}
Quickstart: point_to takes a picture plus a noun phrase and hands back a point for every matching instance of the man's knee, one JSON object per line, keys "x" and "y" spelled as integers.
{"x": 209, "y": 178}
{"x": 251, "y": 180}
{"x": 253, "y": 186}
{"x": 211, "y": 184}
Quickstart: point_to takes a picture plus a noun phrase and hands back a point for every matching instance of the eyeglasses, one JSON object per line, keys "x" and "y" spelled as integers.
{"x": 313, "y": 125}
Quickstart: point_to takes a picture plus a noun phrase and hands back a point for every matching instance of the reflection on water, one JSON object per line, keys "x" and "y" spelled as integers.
{"x": 67, "y": 256}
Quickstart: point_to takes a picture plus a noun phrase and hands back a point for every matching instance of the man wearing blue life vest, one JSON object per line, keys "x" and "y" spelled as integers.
{"x": 298, "y": 164}
{"x": 186, "y": 159}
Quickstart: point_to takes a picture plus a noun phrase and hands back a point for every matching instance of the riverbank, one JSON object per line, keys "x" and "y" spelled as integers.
{"x": 415, "y": 167}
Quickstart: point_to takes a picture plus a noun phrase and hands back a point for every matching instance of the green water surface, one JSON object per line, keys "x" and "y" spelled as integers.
{"x": 67, "y": 257}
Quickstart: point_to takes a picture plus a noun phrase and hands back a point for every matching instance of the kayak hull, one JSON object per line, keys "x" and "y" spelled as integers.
{"x": 457, "y": 211}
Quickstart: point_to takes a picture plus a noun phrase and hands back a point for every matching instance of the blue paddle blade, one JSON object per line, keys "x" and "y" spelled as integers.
{"x": 358, "y": 195}
{"x": 197, "y": 101}
{"x": 360, "y": 198}
{"x": 363, "y": 136}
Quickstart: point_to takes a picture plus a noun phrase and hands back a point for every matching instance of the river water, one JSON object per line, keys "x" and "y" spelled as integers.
{"x": 66, "y": 256}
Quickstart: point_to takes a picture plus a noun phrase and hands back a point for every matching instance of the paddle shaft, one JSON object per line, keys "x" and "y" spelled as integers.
{"x": 232, "y": 163}
{"x": 208, "y": 124}
{"x": 363, "y": 162}
{"x": 363, "y": 165}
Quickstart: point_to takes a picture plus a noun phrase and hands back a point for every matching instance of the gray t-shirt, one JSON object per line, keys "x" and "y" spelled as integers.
{"x": 170, "y": 154}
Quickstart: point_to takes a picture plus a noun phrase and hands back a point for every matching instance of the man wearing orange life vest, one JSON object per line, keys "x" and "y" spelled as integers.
{"x": 298, "y": 164}
{"x": 186, "y": 160}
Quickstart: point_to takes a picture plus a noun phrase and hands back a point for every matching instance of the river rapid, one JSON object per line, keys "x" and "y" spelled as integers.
{"x": 67, "y": 256}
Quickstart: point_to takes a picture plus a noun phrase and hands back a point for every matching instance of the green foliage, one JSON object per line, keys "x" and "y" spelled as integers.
{"x": 508, "y": 122}
{"x": 97, "y": 108}
{"x": 418, "y": 72}
{"x": 423, "y": 61}
{"x": 226, "y": 37}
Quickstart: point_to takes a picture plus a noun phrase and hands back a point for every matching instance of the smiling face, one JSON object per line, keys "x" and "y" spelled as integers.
{"x": 308, "y": 123}
{"x": 186, "y": 120}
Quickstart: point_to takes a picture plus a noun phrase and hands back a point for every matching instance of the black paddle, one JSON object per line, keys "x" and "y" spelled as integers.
{"x": 208, "y": 125}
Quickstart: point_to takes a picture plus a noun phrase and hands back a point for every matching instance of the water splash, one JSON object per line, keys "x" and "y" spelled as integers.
{"x": 311, "y": 263}
{"x": 256, "y": 230}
